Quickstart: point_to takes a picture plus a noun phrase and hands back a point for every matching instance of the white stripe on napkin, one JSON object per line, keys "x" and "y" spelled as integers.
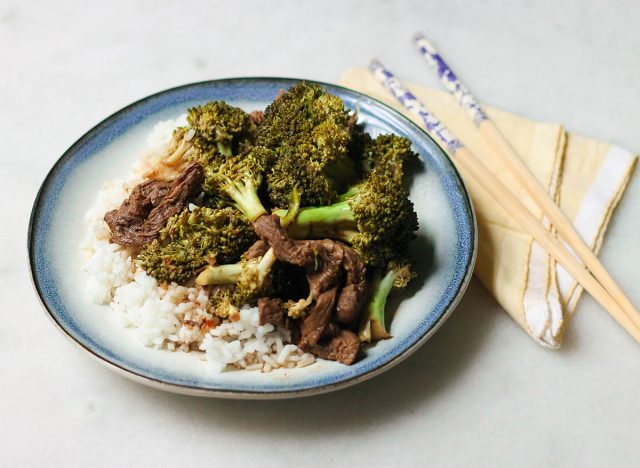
{"x": 594, "y": 207}
{"x": 535, "y": 303}
{"x": 542, "y": 306}
{"x": 541, "y": 301}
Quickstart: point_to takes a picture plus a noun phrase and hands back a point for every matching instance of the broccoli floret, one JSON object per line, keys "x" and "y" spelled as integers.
{"x": 375, "y": 216}
{"x": 250, "y": 277}
{"x": 306, "y": 132}
{"x": 219, "y": 127}
{"x": 254, "y": 277}
{"x": 382, "y": 284}
{"x": 379, "y": 221}
{"x": 221, "y": 302}
{"x": 252, "y": 271}
{"x": 238, "y": 179}
{"x": 390, "y": 150}
{"x": 215, "y": 201}
{"x": 191, "y": 239}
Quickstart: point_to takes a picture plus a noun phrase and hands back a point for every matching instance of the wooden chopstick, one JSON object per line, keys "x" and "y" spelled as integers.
{"x": 522, "y": 174}
{"x": 471, "y": 167}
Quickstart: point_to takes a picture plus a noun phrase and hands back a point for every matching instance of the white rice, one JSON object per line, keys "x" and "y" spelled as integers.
{"x": 108, "y": 265}
{"x": 247, "y": 344}
{"x": 173, "y": 317}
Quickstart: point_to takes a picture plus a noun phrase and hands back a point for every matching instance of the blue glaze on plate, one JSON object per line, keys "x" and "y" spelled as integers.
{"x": 444, "y": 252}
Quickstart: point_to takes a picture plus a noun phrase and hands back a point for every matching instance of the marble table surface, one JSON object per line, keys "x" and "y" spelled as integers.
{"x": 479, "y": 393}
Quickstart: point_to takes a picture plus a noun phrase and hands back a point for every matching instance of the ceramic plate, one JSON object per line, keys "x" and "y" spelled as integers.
{"x": 444, "y": 252}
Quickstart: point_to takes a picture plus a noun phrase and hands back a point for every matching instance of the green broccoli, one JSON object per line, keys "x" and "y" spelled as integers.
{"x": 191, "y": 239}
{"x": 375, "y": 216}
{"x": 219, "y": 127}
{"x": 393, "y": 151}
{"x": 379, "y": 221}
{"x": 246, "y": 281}
{"x": 306, "y": 133}
{"x": 396, "y": 277}
{"x": 222, "y": 303}
{"x": 238, "y": 179}
{"x": 250, "y": 277}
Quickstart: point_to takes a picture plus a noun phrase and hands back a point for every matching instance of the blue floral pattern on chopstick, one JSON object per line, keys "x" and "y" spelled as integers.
{"x": 408, "y": 100}
{"x": 450, "y": 80}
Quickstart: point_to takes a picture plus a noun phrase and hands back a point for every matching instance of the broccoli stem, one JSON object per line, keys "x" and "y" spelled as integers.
{"x": 333, "y": 214}
{"x": 352, "y": 192}
{"x": 224, "y": 149}
{"x": 233, "y": 273}
{"x": 266, "y": 263}
{"x": 245, "y": 195}
{"x": 372, "y": 327}
{"x": 334, "y": 221}
{"x": 292, "y": 212}
{"x": 220, "y": 274}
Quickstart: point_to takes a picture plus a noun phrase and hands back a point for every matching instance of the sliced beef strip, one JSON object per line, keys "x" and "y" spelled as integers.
{"x": 154, "y": 191}
{"x": 286, "y": 250}
{"x": 256, "y": 116}
{"x": 141, "y": 216}
{"x": 331, "y": 330}
{"x": 324, "y": 261}
{"x": 324, "y": 272}
{"x": 321, "y": 259}
{"x": 353, "y": 294}
{"x": 258, "y": 249}
{"x": 314, "y": 322}
{"x": 270, "y": 311}
{"x": 343, "y": 348}
{"x": 184, "y": 189}
{"x": 135, "y": 209}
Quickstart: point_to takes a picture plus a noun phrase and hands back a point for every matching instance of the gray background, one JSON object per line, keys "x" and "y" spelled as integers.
{"x": 480, "y": 393}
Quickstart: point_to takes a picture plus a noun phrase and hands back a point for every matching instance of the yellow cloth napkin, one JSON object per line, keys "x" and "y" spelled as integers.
{"x": 585, "y": 176}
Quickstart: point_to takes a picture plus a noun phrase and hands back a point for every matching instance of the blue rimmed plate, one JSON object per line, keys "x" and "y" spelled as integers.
{"x": 444, "y": 252}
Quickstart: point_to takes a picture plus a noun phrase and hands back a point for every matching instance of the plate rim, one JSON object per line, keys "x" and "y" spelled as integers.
{"x": 186, "y": 389}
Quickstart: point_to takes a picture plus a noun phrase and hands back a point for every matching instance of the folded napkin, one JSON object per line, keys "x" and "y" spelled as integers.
{"x": 585, "y": 176}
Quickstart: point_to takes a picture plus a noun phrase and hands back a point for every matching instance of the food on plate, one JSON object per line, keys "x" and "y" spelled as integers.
{"x": 260, "y": 240}
{"x": 150, "y": 205}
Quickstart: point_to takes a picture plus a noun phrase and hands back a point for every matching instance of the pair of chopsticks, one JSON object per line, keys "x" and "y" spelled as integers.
{"x": 590, "y": 274}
